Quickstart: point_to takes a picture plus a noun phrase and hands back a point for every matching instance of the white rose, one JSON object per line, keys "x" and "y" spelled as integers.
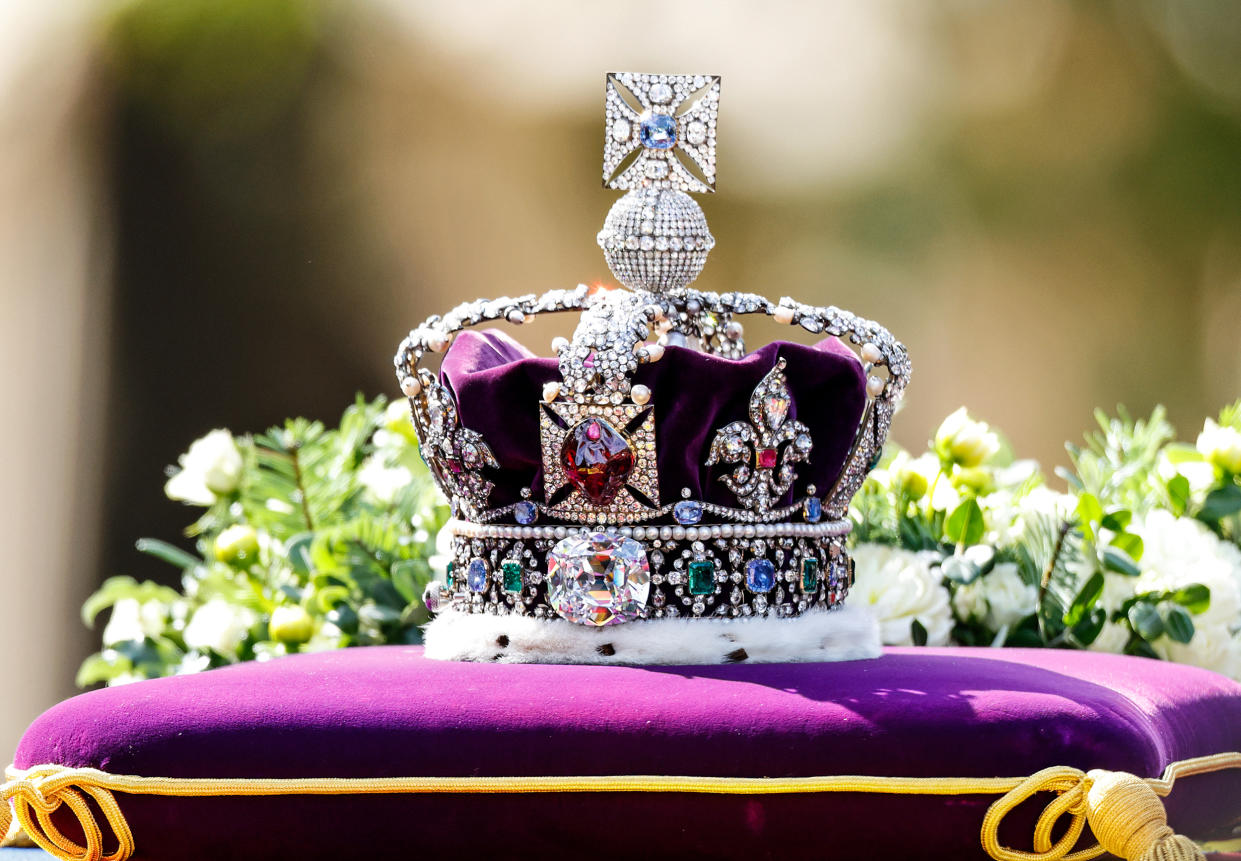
{"x": 211, "y": 468}
{"x": 1221, "y": 446}
{"x": 998, "y": 599}
{"x": 218, "y": 625}
{"x": 382, "y": 482}
{"x": 964, "y": 441}
{"x": 131, "y": 620}
{"x": 899, "y": 586}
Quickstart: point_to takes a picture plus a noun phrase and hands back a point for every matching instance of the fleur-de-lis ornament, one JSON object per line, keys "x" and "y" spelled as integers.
{"x": 460, "y": 453}
{"x": 765, "y": 448}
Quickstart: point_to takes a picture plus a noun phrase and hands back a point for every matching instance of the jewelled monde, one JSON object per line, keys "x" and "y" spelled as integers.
{"x": 597, "y": 460}
{"x": 598, "y": 578}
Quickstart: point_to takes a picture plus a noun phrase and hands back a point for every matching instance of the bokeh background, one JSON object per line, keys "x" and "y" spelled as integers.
{"x": 223, "y": 212}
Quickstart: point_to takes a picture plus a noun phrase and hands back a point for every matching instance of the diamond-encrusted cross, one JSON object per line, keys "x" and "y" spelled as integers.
{"x": 670, "y": 121}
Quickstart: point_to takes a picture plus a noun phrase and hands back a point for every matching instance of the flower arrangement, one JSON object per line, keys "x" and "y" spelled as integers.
{"x": 965, "y": 544}
{"x": 313, "y": 538}
{"x": 310, "y": 538}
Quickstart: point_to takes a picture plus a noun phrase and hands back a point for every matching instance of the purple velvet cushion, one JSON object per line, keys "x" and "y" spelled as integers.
{"x": 388, "y": 712}
{"x": 498, "y": 385}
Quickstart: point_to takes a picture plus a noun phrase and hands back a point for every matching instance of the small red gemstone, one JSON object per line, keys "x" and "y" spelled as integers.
{"x": 597, "y": 460}
{"x": 766, "y": 458}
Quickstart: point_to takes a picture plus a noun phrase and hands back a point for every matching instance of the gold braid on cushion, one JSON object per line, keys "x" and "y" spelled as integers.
{"x": 1123, "y": 811}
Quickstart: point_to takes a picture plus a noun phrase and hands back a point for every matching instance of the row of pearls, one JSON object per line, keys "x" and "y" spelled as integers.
{"x": 828, "y": 529}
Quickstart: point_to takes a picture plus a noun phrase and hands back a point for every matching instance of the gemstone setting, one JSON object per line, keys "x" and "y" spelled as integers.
{"x": 525, "y": 512}
{"x": 687, "y": 512}
{"x": 597, "y": 460}
{"x": 812, "y": 509}
{"x": 598, "y": 578}
{"x": 511, "y": 569}
{"x": 701, "y": 577}
{"x": 809, "y": 574}
{"x": 657, "y": 131}
{"x": 476, "y": 575}
{"x": 760, "y": 575}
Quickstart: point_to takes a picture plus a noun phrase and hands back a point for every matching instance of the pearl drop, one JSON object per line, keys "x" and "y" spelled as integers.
{"x": 872, "y": 353}
{"x": 516, "y": 317}
{"x": 559, "y": 343}
{"x": 875, "y": 386}
{"x": 439, "y": 343}
{"x": 733, "y": 330}
{"x": 551, "y": 391}
{"x": 411, "y": 387}
{"x": 641, "y": 394}
{"x": 782, "y": 314}
{"x": 654, "y": 352}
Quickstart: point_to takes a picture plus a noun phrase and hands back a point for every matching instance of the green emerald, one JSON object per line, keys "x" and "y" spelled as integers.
{"x": 702, "y": 577}
{"x": 512, "y": 575}
{"x": 448, "y": 573}
{"x": 809, "y": 574}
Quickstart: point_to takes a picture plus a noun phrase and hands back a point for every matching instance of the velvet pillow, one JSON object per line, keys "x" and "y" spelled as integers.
{"x": 389, "y": 712}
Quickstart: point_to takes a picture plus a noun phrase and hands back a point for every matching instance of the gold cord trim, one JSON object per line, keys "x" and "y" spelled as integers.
{"x": 1117, "y": 806}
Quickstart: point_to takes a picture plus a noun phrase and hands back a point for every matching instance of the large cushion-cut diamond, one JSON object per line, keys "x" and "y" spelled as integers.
{"x": 597, "y": 460}
{"x": 598, "y": 578}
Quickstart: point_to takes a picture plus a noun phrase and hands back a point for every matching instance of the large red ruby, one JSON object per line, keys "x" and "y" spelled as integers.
{"x": 597, "y": 460}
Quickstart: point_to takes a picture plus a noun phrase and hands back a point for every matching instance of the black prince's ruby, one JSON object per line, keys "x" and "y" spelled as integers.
{"x": 597, "y": 460}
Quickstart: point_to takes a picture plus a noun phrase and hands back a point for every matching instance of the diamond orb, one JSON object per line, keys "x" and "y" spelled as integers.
{"x": 675, "y": 218}
{"x": 657, "y": 131}
{"x": 597, "y": 460}
{"x": 598, "y": 578}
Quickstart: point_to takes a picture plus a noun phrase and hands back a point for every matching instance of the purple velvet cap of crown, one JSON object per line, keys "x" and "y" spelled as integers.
{"x": 498, "y": 384}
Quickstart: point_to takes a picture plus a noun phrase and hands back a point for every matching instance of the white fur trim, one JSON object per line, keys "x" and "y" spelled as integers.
{"x": 845, "y": 634}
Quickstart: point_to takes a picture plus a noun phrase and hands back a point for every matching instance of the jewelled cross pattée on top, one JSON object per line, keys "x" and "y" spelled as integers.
{"x": 672, "y": 128}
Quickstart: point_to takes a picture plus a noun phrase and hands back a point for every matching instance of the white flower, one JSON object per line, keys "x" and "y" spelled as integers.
{"x": 1179, "y": 552}
{"x": 218, "y": 625}
{"x": 964, "y": 441}
{"x": 132, "y": 620}
{"x": 1008, "y": 517}
{"x": 382, "y": 482}
{"x": 899, "y": 586}
{"x": 1221, "y": 446}
{"x": 999, "y": 599}
{"x": 211, "y": 468}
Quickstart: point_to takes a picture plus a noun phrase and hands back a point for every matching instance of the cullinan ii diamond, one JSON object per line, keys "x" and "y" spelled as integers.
{"x": 598, "y": 578}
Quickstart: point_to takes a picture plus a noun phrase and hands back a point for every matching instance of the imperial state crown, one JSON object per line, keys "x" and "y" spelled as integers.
{"x": 654, "y": 471}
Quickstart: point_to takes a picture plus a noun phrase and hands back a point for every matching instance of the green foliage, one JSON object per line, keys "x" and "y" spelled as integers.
{"x": 331, "y": 530}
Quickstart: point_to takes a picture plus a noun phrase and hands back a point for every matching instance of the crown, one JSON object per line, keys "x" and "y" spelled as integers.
{"x": 654, "y": 469}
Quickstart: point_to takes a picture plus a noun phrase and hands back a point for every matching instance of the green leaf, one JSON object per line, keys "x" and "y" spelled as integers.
{"x": 169, "y": 553}
{"x": 1117, "y": 519}
{"x": 965, "y": 525}
{"x": 120, "y": 588}
{"x": 98, "y": 668}
{"x": 1117, "y": 560}
{"x": 1221, "y": 502}
{"x": 1090, "y": 593}
{"x": 1089, "y": 509}
{"x": 1178, "y": 494}
{"x": 959, "y": 570}
{"x": 1088, "y": 629}
{"x": 1130, "y": 543}
{"x": 1195, "y": 597}
{"x": 1177, "y": 622}
{"x": 917, "y": 632}
{"x": 298, "y": 550}
{"x": 1146, "y": 622}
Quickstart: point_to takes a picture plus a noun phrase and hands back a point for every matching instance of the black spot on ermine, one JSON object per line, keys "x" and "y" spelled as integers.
{"x": 736, "y": 657}
{"x": 502, "y": 641}
{"x": 607, "y": 650}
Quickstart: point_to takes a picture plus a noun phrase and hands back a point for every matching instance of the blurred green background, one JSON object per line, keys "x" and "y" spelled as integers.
{"x": 222, "y": 212}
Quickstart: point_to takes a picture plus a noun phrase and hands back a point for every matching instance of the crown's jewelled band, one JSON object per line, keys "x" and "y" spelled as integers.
{"x": 709, "y": 571}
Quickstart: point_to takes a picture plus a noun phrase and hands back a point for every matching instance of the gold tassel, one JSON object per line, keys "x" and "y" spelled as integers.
{"x": 1128, "y": 819}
